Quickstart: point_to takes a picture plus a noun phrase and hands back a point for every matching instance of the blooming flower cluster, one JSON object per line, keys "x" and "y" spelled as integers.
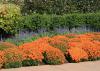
{"x": 88, "y": 43}
{"x": 54, "y": 56}
{"x": 77, "y": 54}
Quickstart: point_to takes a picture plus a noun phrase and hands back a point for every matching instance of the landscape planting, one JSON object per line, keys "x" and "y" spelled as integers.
{"x": 53, "y": 50}
{"x": 12, "y": 21}
{"x": 49, "y": 32}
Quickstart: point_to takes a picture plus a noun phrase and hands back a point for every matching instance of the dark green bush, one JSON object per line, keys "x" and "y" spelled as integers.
{"x": 93, "y": 20}
{"x": 60, "y": 6}
{"x": 35, "y": 22}
{"x": 50, "y": 22}
{"x": 56, "y": 6}
{"x": 30, "y": 62}
{"x": 13, "y": 64}
{"x": 73, "y": 20}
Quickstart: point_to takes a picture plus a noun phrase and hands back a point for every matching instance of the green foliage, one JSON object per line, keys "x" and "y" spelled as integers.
{"x": 19, "y": 41}
{"x": 32, "y": 22}
{"x": 50, "y": 61}
{"x": 13, "y": 64}
{"x": 3, "y": 47}
{"x": 59, "y": 44}
{"x": 11, "y": 20}
{"x": 48, "y": 6}
{"x": 6, "y": 45}
{"x": 9, "y": 14}
{"x": 60, "y": 6}
{"x": 86, "y": 6}
{"x": 30, "y": 62}
{"x": 17, "y": 2}
{"x": 93, "y": 20}
{"x": 74, "y": 20}
{"x": 50, "y": 22}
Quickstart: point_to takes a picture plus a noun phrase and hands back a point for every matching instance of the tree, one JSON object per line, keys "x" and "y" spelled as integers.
{"x": 48, "y": 6}
{"x": 9, "y": 13}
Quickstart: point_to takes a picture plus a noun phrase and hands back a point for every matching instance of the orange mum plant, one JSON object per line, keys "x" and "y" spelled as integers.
{"x": 59, "y": 44}
{"x": 33, "y": 56}
{"x": 2, "y": 59}
{"x": 77, "y": 54}
{"x": 13, "y": 58}
{"x": 92, "y": 50}
{"x": 54, "y": 56}
{"x": 5, "y": 45}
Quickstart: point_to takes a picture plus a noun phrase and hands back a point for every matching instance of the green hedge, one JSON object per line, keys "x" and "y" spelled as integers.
{"x": 11, "y": 20}
{"x": 49, "y": 22}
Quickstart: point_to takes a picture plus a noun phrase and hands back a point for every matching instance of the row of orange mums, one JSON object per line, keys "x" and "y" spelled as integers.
{"x": 57, "y": 49}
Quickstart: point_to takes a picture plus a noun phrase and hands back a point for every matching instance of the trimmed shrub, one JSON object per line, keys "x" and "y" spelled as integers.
{"x": 93, "y": 50}
{"x": 77, "y": 54}
{"x": 53, "y": 56}
{"x": 5, "y": 45}
{"x": 89, "y": 42}
{"x": 92, "y": 20}
{"x": 58, "y": 44}
{"x": 32, "y": 55}
{"x": 30, "y": 62}
{"x": 13, "y": 58}
{"x": 15, "y": 64}
{"x": 49, "y": 23}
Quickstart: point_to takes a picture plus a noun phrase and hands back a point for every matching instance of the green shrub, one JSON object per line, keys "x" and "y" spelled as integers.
{"x": 50, "y": 22}
{"x": 59, "y": 44}
{"x": 93, "y": 20}
{"x": 74, "y": 20}
{"x": 13, "y": 58}
{"x": 35, "y": 22}
{"x": 30, "y": 62}
{"x": 13, "y": 65}
{"x": 54, "y": 57}
{"x": 6, "y": 45}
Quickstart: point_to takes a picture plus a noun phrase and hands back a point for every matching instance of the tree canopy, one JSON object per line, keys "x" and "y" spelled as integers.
{"x": 57, "y": 6}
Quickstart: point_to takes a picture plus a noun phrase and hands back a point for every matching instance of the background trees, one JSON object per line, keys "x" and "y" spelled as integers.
{"x": 61, "y": 6}
{"x": 56, "y": 6}
{"x": 49, "y": 6}
{"x": 13, "y": 13}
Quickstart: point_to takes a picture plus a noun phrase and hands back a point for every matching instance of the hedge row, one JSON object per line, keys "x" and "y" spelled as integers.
{"x": 50, "y": 22}
{"x": 12, "y": 21}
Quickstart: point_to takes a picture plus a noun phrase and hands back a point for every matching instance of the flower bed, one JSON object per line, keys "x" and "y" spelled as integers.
{"x": 52, "y": 50}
